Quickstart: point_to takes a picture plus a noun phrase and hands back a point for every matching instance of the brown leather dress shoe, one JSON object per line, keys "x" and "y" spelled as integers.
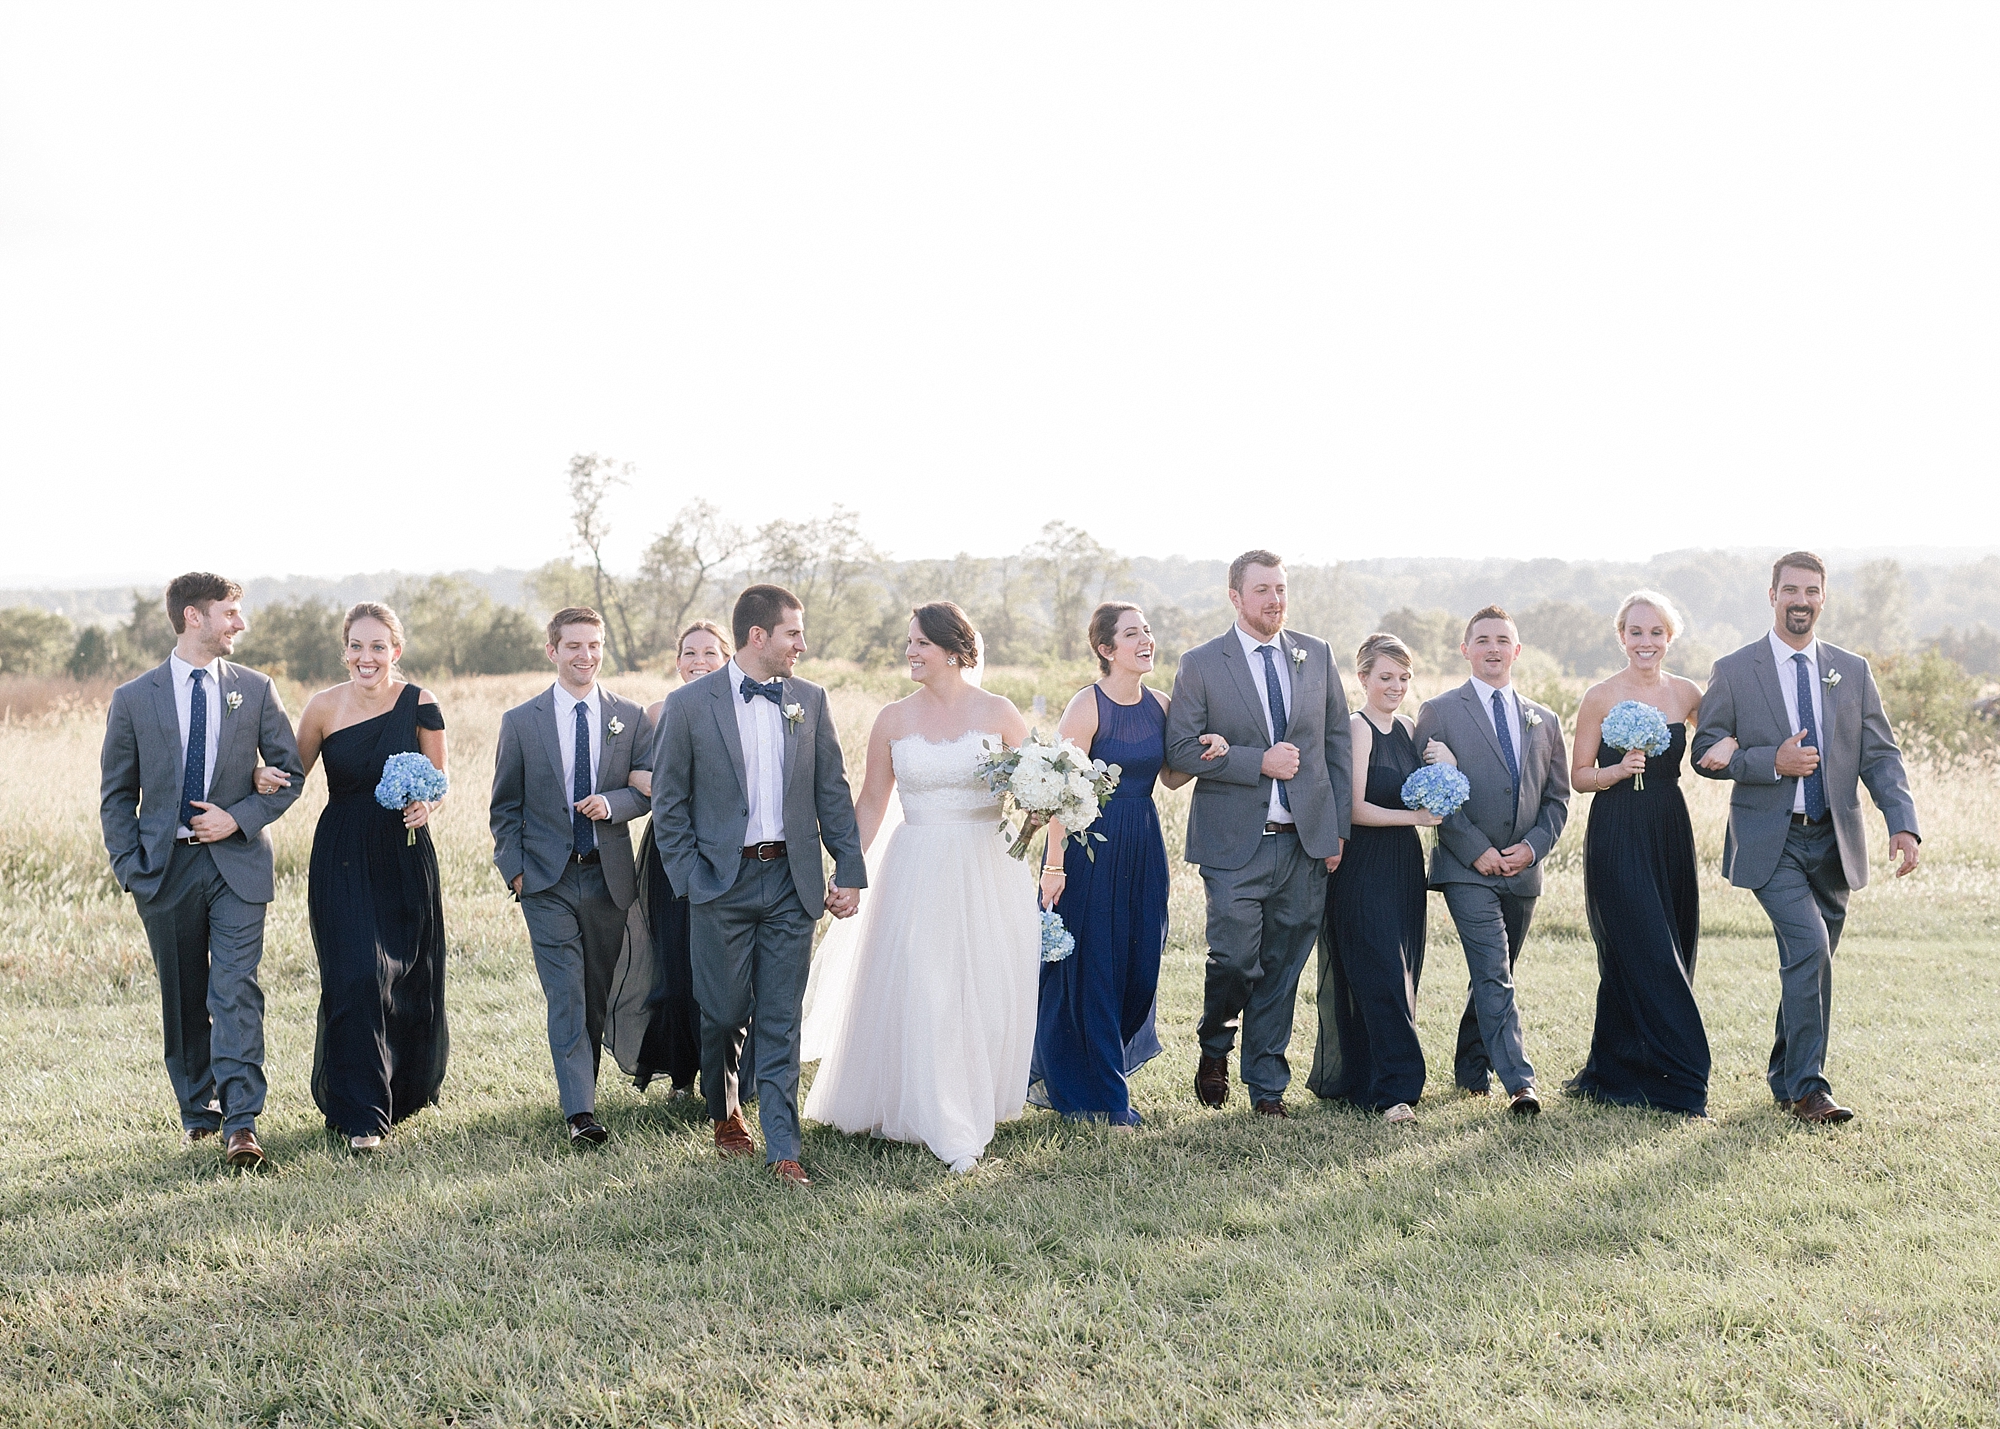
{"x": 243, "y": 1151}
{"x": 791, "y": 1173}
{"x": 1272, "y": 1108}
{"x": 1211, "y": 1080}
{"x": 1525, "y": 1103}
{"x": 191, "y": 1134}
{"x": 1820, "y": 1110}
{"x": 732, "y": 1137}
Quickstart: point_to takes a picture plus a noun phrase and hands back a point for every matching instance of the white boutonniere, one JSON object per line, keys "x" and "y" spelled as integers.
{"x": 615, "y": 725}
{"x": 1830, "y": 678}
{"x": 1530, "y": 718}
{"x": 793, "y": 712}
{"x": 234, "y": 699}
{"x": 1298, "y": 657}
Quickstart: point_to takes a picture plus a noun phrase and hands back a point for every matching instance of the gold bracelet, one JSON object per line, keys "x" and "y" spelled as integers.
{"x": 1055, "y": 868}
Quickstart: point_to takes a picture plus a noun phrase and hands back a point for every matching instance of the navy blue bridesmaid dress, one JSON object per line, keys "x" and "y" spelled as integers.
{"x": 1094, "y": 1023}
{"x": 1649, "y": 1047}
{"x": 1371, "y": 948}
{"x": 377, "y": 916}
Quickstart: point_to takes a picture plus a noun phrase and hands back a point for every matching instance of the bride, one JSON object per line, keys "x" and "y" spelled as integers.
{"x": 922, "y": 1010}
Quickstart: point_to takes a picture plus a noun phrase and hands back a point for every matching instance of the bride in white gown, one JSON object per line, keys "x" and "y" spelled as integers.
{"x": 922, "y": 1010}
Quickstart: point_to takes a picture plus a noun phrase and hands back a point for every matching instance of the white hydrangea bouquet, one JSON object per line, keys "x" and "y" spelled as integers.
{"x": 1045, "y": 780}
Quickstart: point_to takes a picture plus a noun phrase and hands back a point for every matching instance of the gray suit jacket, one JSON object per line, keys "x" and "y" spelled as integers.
{"x": 701, "y": 798}
{"x": 530, "y": 812}
{"x": 1214, "y": 693}
{"x": 140, "y": 795}
{"x": 1744, "y": 699}
{"x": 1491, "y": 817}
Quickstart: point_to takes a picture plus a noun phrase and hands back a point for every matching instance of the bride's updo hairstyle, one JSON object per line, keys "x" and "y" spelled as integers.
{"x": 375, "y": 610}
{"x": 1376, "y": 646}
{"x": 946, "y": 627}
{"x": 1669, "y": 617}
{"x": 1104, "y": 630}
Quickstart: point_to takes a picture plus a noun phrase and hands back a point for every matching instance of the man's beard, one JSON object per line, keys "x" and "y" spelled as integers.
{"x": 1265, "y": 625}
{"x": 1800, "y": 619}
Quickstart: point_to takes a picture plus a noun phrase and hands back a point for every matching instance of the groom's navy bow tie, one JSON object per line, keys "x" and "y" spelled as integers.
{"x": 750, "y": 689}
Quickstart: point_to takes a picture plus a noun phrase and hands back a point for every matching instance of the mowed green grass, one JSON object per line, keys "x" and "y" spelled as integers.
{"x": 1597, "y": 1266}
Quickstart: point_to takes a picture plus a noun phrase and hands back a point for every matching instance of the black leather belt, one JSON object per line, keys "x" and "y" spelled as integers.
{"x": 1810, "y": 821}
{"x": 594, "y": 856}
{"x": 1281, "y": 828}
{"x": 769, "y": 852}
{"x": 191, "y": 841}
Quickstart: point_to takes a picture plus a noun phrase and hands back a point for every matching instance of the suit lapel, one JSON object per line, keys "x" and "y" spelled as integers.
{"x": 732, "y": 737}
{"x": 1245, "y": 681}
{"x": 1774, "y": 693}
{"x": 545, "y": 716}
{"x": 170, "y": 721}
{"x": 1483, "y": 717}
{"x": 607, "y": 711}
{"x": 228, "y": 682}
{"x": 788, "y": 742}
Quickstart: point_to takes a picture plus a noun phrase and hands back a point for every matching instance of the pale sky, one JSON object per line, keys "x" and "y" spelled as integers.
{"x": 325, "y": 288}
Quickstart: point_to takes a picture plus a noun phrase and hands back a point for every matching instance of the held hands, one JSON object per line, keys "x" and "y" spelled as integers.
{"x": 269, "y": 779}
{"x": 212, "y": 824}
{"x": 1796, "y": 760}
{"x": 1719, "y": 753}
{"x": 595, "y": 808}
{"x": 1438, "y": 752}
{"x": 1281, "y": 761}
{"x": 842, "y": 902}
{"x": 1333, "y": 860}
{"x": 1903, "y": 849}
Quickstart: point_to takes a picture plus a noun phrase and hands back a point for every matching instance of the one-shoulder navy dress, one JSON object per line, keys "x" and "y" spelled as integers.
{"x": 378, "y": 926}
{"x": 1649, "y": 1047}
{"x": 1094, "y": 1024}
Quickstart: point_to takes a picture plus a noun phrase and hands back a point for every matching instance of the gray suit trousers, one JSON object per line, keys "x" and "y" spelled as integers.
{"x": 1806, "y": 901}
{"x": 1262, "y": 921}
{"x": 752, "y": 947}
{"x": 578, "y": 931}
{"x": 207, "y": 943}
{"x": 1492, "y": 925}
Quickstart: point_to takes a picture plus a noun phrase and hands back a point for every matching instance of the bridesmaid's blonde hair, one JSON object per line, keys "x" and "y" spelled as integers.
{"x": 1669, "y": 617}
{"x": 1377, "y": 645}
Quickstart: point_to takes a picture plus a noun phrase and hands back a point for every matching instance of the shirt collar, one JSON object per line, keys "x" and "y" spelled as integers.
{"x": 181, "y": 667}
{"x": 737, "y": 675}
{"x": 565, "y": 701}
{"x": 1485, "y": 692}
{"x": 1782, "y": 653}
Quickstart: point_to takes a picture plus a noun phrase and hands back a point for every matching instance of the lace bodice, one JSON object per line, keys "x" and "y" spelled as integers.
{"x": 930, "y": 775}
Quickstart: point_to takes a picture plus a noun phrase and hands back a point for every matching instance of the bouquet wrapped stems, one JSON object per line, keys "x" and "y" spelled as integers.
{"x": 1030, "y": 826}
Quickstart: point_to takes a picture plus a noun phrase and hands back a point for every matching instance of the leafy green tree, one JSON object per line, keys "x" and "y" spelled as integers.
{"x": 591, "y": 478}
{"x": 1433, "y": 635}
{"x": 1932, "y": 703}
{"x": 146, "y": 638}
{"x": 680, "y": 574}
{"x": 455, "y": 628}
{"x": 827, "y": 563}
{"x": 1578, "y": 637}
{"x": 1870, "y": 611}
{"x": 1976, "y": 648}
{"x": 34, "y": 642}
{"x": 92, "y": 655}
{"x": 299, "y": 639}
{"x": 1077, "y": 573}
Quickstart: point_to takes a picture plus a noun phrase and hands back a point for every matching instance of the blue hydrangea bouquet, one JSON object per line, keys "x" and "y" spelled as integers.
{"x": 1437, "y": 789}
{"x": 1632, "y": 724}
{"x": 1058, "y": 942}
{"x": 407, "y": 778}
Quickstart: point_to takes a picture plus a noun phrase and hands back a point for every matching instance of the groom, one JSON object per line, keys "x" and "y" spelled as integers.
{"x": 189, "y": 839}
{"x": 1268, "y": 821}
{"x": 748, "y": 784}
{"x": 1796, "y": 724}
{"x": 1488, "y": 858}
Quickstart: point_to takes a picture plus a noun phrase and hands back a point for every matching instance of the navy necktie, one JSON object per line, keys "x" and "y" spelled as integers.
{"x": 1275, "y": 692}
{"x": 1815, "y": 781}
{"x": 582, "y": 836}
{"x": 194, "y": 783}
{"x": 1503, "y": 726}
{"x": 750, "y": 689}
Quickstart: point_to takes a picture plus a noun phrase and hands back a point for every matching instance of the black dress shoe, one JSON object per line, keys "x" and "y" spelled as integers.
{"x": 1211, "y": 1080}
{"x": 585, "y": 1129}
{"x": 1525, "y": 1103}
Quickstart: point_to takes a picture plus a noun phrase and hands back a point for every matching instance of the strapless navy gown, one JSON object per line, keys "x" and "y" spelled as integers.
{"x": 1649, "y": 1047}
{"x": 377, "y": 920}
{"x": 1094, "y": 1019}
{"x": 1371, "y": 950}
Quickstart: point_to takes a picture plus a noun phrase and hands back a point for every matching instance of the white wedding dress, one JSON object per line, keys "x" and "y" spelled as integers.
{"x": 921, "y": 1008}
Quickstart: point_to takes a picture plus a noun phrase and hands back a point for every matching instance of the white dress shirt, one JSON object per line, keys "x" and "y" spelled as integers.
{"x": 1510, "y": 701}
{"x": 1788, "y": 682}
{"x": 566, "y": 704}
{"x": 1278, "y": 813}
{"x": 184, "y": 708}
{"x": 762, "y": 727}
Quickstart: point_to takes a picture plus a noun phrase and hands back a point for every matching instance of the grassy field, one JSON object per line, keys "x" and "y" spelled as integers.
{"x": 1594, "y": 1267}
